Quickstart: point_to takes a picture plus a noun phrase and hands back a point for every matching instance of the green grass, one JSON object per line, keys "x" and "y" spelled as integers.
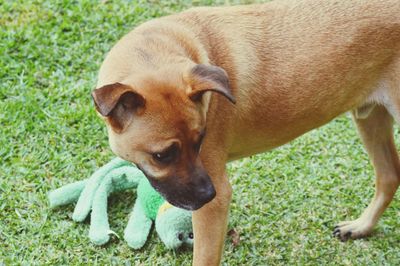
{"x": 285, "y": 202}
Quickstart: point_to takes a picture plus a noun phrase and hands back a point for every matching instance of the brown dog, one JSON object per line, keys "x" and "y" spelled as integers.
{"x": 167, "y": 92}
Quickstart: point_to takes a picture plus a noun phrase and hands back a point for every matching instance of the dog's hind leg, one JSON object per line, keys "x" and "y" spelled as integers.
{"x": 377, "y": 135}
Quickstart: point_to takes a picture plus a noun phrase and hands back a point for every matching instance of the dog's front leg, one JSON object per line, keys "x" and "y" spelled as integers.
{"x": 210, "y": 223}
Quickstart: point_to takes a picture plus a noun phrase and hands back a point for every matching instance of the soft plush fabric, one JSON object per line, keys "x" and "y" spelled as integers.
{"x": 172, "y": 224}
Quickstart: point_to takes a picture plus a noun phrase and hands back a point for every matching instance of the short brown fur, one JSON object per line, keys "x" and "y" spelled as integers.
{"x": 292, "y": 66}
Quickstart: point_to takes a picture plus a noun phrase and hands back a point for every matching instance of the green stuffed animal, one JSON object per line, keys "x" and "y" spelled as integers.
{"x": 173, "y": 225}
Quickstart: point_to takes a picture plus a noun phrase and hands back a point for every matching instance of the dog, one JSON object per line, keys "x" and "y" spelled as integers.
{"x": 184, "y": 94}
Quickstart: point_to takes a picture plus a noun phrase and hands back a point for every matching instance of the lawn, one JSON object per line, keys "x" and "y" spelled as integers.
{"x": 285, "y": 202}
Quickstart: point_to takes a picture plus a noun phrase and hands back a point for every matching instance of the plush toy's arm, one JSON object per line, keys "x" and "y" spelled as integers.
{"x": 66, "y": 194}
{"x": 85, "y": 200}
{"x": 99, "y": 226}
{"x": 138, "y": 228}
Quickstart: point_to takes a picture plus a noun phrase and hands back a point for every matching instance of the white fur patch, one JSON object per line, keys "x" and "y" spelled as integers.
{"x": 381, "y": 96}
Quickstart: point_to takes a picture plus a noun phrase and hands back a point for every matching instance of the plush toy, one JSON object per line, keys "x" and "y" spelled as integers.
{"x": 173, "y": 225}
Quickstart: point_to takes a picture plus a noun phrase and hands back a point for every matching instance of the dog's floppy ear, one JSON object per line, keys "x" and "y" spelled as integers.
{"x": 118, "y": 103}
{"x": 205, "y": 78}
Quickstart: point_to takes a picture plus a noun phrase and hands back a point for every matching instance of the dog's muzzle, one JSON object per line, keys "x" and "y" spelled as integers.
{"x": 191, "y": 195}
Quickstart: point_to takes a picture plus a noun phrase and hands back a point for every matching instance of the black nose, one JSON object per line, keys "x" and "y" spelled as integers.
{"x": 205, "y": 193}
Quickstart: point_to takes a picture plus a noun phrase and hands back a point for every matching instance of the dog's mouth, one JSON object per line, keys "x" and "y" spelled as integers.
{"x": 188, "y": 197}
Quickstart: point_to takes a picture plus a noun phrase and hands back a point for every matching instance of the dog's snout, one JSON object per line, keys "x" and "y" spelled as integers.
{"x": 191, "y": 195}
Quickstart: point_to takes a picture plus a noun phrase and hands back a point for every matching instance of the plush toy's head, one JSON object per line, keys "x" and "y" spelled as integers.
{"x": 174, "y": 226}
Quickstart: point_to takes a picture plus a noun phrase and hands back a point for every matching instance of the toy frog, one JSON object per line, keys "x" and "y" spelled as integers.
{"x": 173, "y": 225}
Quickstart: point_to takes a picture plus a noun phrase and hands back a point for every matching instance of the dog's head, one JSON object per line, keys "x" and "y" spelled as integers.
{"x": 158, "y": 122}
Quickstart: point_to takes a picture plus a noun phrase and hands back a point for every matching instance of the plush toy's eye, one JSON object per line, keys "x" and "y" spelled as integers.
{"x": 180, "y": 236}
{"x": 191, "y": 235}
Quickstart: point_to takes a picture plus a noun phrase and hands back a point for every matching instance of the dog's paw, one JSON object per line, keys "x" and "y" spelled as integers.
{"x": 352, "y": 230}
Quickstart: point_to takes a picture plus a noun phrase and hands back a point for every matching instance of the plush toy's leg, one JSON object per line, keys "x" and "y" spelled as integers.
{"x": 138, "y": 228}
{"x": 121, "y": 178}
{"x": 99, "y": 226}
{"x": 84, "y": 204}
{"x": 66, "y": 194}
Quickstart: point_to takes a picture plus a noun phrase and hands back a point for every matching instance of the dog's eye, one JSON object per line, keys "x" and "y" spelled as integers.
{"x": 191, "y": 235}
{"x": 200, "y": 141}
{"x": 167, "y": 156}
